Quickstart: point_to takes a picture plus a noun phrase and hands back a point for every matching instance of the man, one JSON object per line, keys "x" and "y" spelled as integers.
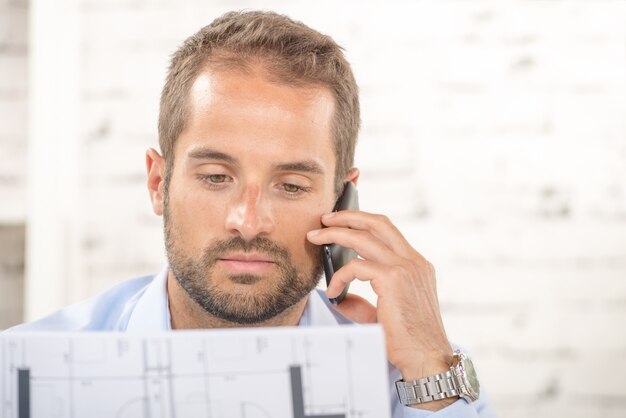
{"x": 258, "y": 123}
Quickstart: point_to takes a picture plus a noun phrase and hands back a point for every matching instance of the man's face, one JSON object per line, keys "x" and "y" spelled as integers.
{"x": 253, "y": 172}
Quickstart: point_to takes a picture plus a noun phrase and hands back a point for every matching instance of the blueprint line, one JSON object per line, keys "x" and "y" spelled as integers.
{"x": 23, "y": 388}
{"x": 70, "y": 361}
{"x": 297, "y": 397}
{"x": 205, "y": 365}
{"x": 350, "y": 405}
{"x": 295, "y": 374}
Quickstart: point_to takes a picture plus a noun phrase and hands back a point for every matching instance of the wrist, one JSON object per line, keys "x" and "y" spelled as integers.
{"x": 423, "y": 366}
{"x": 435, "y": 405}
{"x": 419, "y": 366}
{"x": 423, "y": 388}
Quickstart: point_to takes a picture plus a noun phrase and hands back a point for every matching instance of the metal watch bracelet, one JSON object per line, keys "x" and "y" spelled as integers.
{"x": 431, "y": 388}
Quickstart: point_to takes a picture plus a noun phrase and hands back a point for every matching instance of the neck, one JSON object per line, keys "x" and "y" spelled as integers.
{"x": 185, "y": 313}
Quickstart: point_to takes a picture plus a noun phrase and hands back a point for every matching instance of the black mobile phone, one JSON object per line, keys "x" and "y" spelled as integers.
{"x": 335, "y": 256}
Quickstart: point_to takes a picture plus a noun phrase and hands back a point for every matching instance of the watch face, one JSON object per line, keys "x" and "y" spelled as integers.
{"x": 470, "y": 378}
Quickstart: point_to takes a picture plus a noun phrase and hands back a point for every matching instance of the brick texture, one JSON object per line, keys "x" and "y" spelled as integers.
{"x": 11, "y": 274}
{"x": 13, "y": 126}
{"x": 493, "y": 135}
{"x": 13, "y": 108}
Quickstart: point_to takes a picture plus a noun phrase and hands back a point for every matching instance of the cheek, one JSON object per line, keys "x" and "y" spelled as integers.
{"x": 291, "y": 228}
{"x": 195, "y": 218}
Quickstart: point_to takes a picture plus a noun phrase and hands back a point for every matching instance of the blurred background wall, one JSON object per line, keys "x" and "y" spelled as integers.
{"x": 13, "y": 150}
{"x": 494, "y": 136}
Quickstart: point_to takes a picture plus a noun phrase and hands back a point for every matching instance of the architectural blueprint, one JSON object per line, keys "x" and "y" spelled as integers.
{"x": 338, "y": 372}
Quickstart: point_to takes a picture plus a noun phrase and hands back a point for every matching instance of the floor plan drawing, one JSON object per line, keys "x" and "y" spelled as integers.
{"x": 336, "y": 372}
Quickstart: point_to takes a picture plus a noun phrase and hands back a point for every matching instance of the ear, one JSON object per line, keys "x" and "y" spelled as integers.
{"x": 155, "y": 165}
{"x": 353, "y": 175}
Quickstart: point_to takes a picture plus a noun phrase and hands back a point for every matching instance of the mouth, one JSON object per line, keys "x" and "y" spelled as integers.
{"x": 250, "y": 263}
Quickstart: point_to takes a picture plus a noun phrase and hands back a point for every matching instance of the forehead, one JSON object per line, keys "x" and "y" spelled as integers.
{"x": 245, "y": 114}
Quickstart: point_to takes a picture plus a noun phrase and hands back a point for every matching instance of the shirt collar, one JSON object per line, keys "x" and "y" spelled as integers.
{"x": 152, "y": 311}
{"x": 318, "y": 311}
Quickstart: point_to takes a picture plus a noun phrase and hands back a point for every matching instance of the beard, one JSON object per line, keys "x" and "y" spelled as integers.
{"x": 282, "y": 289}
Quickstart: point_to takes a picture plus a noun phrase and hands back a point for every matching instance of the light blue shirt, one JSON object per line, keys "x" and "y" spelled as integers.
{"x": 141, "y": 305}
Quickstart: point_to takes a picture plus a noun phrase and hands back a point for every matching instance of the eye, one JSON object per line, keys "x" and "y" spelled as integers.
{"x": 216, "y": 178}
{"x": 294, "y": 189}
{"x": 291, "y": 188}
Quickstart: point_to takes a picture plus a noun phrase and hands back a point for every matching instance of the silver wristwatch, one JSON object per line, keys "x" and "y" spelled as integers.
{"x": 460, "y": 380}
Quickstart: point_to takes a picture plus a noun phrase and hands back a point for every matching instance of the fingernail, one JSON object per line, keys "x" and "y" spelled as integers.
{"x": 328, "y": 215}
{"x": 313, "y": 232}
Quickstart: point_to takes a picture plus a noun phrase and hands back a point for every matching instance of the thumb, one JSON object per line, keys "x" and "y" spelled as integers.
{"x": 357, "y": 309}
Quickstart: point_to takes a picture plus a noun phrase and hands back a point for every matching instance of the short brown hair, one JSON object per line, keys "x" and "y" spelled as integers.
{"x": 290, "y": 51}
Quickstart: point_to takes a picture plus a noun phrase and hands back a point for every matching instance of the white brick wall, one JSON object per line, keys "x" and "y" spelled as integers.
{"x": 11, "y": 274}
{"x": 13, "y": 109}
{"x": 13, "y": 104}
{"x": 494, "y": 135}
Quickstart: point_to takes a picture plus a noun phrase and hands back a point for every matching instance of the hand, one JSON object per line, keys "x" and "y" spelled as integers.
{"x": 404, "y": 282}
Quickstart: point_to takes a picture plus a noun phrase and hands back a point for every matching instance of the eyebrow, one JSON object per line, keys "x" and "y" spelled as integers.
{"x": 209, "y": 154}
{"x": 305, "y": 166}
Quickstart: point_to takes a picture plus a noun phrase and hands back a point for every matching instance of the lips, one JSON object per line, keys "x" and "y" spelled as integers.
{"x": 250, "y": 263}
{"x": 248, "y": 257}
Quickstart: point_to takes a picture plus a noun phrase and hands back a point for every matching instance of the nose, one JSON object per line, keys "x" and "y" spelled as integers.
{"x": 250, "y": 214}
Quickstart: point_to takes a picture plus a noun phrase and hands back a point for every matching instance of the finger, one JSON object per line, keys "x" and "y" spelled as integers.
{"x": 357, "y": 269}
{"x": 379, "y": 225}
{"x": 363, "y": 242}
{"x": 357, "y": 309}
